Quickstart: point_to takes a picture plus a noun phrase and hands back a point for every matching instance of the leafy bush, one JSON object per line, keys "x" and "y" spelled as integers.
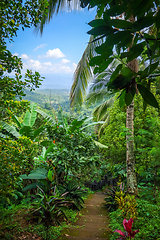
{"x": 148, "y": 221}
{"x": 127, "y": 204}
{"x": 16, "y": 158}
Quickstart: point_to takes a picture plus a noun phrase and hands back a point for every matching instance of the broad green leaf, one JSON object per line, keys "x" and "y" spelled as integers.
{"x": 31, "y": 186}
{"x": 104, "y": 50}
{"x": 147, "y": 96}
{"x": 116, "y": 72}
{"x": 97, "y": 22}
{"x": 30, "y": 116}
{"x": 75, "y": 124}
{"x": 96, "y": 61}
{"x": 122, "y": 98}
{"x": 148, "y": 70}
{"x": 49, "y": 176}
{"x": 33, "y": 176}
{"x": 118, "y": 37}
{"x": 135, "y": 51}
{"x": 123, "y": 24}
{"x": 143, "y": 23}
{"x": 153, "y": 66}
{"x": 101, "y": 30}
{"x": 119, "y": 82}
{"x": 115, "y": 10}
{"x": 105, "y": 64}
{"x": 128, "y": 98}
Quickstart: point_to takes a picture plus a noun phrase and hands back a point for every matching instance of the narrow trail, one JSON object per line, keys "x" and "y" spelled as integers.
{"x": 93, "y": 224}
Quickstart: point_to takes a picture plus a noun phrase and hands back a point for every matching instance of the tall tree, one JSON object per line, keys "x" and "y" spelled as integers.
{"x": 13, "y": 15}
{"x": 131, "y": 39}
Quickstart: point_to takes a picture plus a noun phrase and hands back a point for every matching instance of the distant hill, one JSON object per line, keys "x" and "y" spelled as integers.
{"x": 51, "y": 98}
{"x": 48, "y": 98}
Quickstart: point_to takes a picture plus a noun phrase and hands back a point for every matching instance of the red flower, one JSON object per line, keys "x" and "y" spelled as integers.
{"x": 54, "y": 141}
{"x": 128, "y": 227}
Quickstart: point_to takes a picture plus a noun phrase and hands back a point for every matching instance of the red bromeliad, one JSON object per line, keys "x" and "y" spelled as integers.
{"x": 128, "y": 227}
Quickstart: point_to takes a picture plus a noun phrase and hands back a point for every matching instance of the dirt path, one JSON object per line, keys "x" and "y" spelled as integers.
{"x": 93, "y": 224}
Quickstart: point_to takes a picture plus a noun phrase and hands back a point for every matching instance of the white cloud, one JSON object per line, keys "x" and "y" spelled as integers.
{"x": 40, "y": 46}
{"x": 34, "y": 64}
{"x": 64, "y": 69}
{"x": 54, "y": 53}
{"x": 49, "y": 67}
{"x": 64, "y": 61}
{"x": 47, "y": 64}
{"x": 24, "y": 56}
{"x": 15, "y": 54}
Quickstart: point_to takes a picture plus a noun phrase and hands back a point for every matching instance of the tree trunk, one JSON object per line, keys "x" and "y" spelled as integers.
{"x": 132, "y": 187}
{"x": 130, "y": 161}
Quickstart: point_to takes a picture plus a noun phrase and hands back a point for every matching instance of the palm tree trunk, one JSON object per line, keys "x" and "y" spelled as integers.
{"x": 132, "y": 187}
{"x": 130, "y": 161}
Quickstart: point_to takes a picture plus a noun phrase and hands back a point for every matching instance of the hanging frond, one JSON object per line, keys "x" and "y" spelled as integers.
{"x": 101, "y": 111}
{"x": 56, "y": 6}
{"x": 83, "y": 75}
{"x": 102, "y": 127}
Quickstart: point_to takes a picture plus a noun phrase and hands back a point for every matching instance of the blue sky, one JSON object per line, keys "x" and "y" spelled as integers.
{"x": 57, "y": 52}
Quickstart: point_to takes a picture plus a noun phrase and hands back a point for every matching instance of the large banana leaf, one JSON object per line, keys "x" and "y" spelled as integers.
{"x": 45, "y": 115}
{"x": 30, "y": 116}
{"x": 10, "y": 129}
{"x": 38, "y": 131}
{"x": 27, "y": 131}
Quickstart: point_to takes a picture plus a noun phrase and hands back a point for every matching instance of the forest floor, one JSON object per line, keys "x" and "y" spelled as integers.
{"x": 92, "y": 223}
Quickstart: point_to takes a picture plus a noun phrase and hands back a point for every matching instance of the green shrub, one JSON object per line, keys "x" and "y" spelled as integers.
{"x": 148, "y": 221}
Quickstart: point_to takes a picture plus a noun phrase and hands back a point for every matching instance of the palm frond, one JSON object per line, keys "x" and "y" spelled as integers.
{"x": 56, "y": 6}
{"x": 83, "y": 75}
{"x": 102, "y": 127}
{"x": 98, "y": 96}
{"x": 101, "y": 111}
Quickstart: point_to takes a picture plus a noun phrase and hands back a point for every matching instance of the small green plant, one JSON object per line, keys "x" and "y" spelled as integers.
{"x": 71, "y": 191}
{"x": 49, "y": 209}
{"x": 127, "y": 204}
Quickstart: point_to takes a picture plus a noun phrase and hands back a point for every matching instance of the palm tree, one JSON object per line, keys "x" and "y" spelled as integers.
{"x": 77, "y": 94}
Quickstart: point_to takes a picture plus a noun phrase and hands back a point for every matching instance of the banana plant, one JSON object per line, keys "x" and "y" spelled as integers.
{"x": 24, "y": 128}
